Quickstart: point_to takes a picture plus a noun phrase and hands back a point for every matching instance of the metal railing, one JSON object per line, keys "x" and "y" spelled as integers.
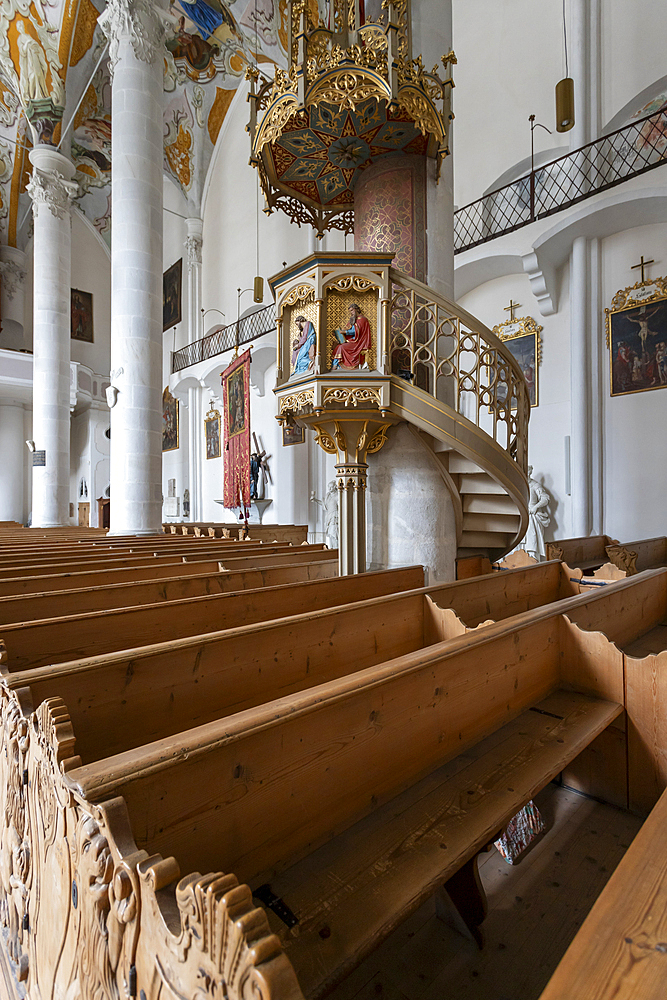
{"x": 562, "y": 182}
{"x": 236, "y": 334}
{"x": 449, "y": 354}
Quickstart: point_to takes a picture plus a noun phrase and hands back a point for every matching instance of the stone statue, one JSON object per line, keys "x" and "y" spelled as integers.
{"x": 33, "y": 67}
{"x": 539, "y": 518}
{"x": 331, "y": 514}
{"x": 259, "y": 472}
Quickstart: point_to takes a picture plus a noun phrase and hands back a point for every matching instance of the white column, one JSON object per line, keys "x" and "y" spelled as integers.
{"x": 193, "y": 252}
{"x": 431, "y": 39}
{"x": 579, "y": 58}
{"x": 580, "y": 389}
{"x": 51, "y": 190}
{"x": 135, "y": 32}
{"x": 13, "y": 452}
{"x": 12, "y": 298}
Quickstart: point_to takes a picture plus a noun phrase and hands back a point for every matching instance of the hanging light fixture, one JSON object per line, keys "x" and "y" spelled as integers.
{"x": 565, "y": 93}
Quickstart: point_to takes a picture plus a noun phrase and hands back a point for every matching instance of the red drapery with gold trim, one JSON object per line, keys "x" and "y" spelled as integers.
{"x": 236, "y": 404}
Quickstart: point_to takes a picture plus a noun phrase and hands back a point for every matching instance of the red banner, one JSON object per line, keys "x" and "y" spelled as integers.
{"x": 236, "y": 404}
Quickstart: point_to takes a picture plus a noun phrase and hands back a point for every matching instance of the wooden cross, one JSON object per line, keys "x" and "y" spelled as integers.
{"x": 510, "y": 309}
{"x": 642, "y": 263}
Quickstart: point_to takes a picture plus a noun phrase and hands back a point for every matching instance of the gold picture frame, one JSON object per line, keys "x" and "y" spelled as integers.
{"x": 523, "y": 339}
{"x": 212, "y": 433}
{"x": 170, "y": 440}
{"x": 636, "y": 325}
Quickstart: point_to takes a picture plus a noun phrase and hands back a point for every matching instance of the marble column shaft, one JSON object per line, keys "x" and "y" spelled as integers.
{"x": 51, "y": 189}
{"x": 135, "y": 32}
{"x": 193, "y": 248}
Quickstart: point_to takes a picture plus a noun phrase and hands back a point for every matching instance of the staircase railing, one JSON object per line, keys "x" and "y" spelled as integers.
{"x": 597, "y": 166}
{"x": 248, "y": 328}
{"x": 446, "y": 352}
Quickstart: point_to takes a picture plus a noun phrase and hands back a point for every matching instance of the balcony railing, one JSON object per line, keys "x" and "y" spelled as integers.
{"x": 245, "y": 330}
{"x": 595, "y": 167}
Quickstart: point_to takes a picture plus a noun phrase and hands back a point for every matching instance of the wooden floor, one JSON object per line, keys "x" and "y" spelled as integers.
{"x": 535, "y": 909}
{"x": 649, "y": 644}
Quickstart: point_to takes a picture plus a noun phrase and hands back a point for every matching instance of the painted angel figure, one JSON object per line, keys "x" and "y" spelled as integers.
{"x": 353, "y": 343}
{"x": 303, "y": 347}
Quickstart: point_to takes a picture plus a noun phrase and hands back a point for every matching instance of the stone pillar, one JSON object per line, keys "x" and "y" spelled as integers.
{"x": 351, "y": 477}
{"x": 193, "y": 249}
{"x": 432, "y": 39}
{"x": 135, "y": 32}
{"x": 390, "y": 212}
{"x": 12, "y": 300}
{"x": 580, "y": 390}
{"x": 51, "y": 189}
{"x": 14, "y": 452}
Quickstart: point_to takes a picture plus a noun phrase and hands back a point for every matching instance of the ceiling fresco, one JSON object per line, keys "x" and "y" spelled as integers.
{"x": 53, "y": 49}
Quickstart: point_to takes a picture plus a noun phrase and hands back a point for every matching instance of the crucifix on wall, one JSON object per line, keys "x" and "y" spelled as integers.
{"x": 510, "y": 309}
{"x": 642, "y": 263}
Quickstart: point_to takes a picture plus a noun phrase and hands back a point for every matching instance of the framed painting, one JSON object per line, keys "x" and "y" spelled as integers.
{"x": 81, "y": 313}
{"x": 523, "y": 340}
{"x": 212, "y": 430}
{"x": 171, "y": 295}
{"x": 169, "y": 421}
{"x": 236, "y": 415}
{"x": 293, "y": 434}
{"x": 637, "y": 338}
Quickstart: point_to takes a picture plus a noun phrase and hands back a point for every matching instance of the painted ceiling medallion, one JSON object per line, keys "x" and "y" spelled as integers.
{"x": 352, "y": 95}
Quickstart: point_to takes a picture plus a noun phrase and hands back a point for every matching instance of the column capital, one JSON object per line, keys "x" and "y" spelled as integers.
{"x": 194, "y": 242}
{"x": 51, "y": 184}
{"x": 140, "y": 21}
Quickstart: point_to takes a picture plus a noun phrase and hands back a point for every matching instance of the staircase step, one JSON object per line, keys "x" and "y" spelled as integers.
{"x": 479, "y": 482}
{"x": 484, "y": 539}
{"x": 493, "y": 503}
{"x": 457, "y": 463}
{"x": 490, "y": 522}
{"x": 440, "y": 446}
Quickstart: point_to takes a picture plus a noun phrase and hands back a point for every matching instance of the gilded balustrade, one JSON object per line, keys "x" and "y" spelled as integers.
{"x": 444, "y": 351}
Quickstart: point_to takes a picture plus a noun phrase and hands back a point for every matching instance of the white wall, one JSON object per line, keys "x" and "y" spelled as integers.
{"x": 635, "y": 452}
{"x": 634, "y": 466}
{"x": 634, "y": 39}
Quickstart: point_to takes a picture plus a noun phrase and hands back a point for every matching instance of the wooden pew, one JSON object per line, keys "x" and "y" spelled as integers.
{"x": 136, "y": 593}
{"x": 34, "y": 564}
{"x": 633, "y": 557}
{"x": 452, "y": 610}
{"x": 582, "y": 553}
{"x": 339, "y": 795}
{"x": 294, "y": 533}
{"x": 85, "y": 635}
{"x": 620, "y": 949}
{"x": 10, "y": 586}
{"x": 358, "y": 798}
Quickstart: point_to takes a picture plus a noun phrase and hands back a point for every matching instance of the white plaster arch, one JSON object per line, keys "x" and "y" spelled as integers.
{"x": 84, "y": 218}
{"x": 635, "y": 104}
{"x": 240, "y": 95}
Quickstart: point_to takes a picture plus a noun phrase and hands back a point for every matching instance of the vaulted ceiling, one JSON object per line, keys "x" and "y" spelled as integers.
{"x": 56, "y": 48}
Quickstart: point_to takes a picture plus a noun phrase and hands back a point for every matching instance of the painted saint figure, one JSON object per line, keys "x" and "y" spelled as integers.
{"x": 354, "y": 343}
{"x": 303, "y": 347}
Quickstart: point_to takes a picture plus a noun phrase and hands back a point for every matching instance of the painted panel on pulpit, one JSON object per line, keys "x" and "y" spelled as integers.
{"x": 637, "y": 339}
{"x": 81, "y": 316}
{"x": 171, "y": 295}
{"x": 351, "y": 309}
